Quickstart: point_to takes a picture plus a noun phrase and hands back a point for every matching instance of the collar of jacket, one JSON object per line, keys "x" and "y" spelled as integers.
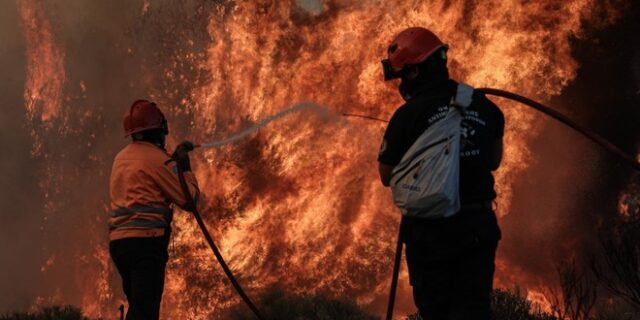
{"x": 437, "y": 86}
{"x": 142, "y": 142}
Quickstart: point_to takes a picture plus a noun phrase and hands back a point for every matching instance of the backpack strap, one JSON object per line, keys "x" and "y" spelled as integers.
{"x": 463, "y": 97}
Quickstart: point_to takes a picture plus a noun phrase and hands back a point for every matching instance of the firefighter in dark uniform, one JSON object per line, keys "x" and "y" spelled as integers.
{"x": 451, "y": 260}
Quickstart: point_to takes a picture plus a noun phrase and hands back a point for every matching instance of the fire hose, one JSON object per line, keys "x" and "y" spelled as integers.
{"x": 398, "y": 254}
{"x": 611, "y": 148}
{"x": 196, "y": 214}
{"x": 192, "y": 205}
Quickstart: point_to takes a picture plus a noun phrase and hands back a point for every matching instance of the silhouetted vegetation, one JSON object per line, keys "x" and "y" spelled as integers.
{"x": 617, "y": 309}
{"x": 275, "y": 304}
{"x": 48, "y": 313}
{"x": 618, "y": 268}
{"x": 577, "y": 296}
{"x": 511, "y": 305}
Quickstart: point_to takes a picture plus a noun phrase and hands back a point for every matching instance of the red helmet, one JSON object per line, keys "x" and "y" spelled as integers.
{"x": 410, "y": 47}
{"x": 143, "y": 115}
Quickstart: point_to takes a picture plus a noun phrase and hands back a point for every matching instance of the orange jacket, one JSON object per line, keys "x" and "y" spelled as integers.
{"x": 143, "y": 188}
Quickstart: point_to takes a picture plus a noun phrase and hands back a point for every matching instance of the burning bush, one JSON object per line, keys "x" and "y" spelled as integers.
{"x": 508, "y": 305}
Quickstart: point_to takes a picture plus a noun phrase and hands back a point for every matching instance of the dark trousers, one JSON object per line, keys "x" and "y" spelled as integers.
{"x": 451, "y": 264}
{"x": 141, "y": 263}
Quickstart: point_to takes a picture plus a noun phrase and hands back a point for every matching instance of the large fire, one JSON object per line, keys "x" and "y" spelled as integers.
{"x": 298, "y": 205}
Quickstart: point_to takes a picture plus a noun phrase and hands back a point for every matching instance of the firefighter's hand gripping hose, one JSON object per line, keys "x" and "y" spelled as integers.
{"x": 611, "y": 148}
{"x": 182, "y": 160}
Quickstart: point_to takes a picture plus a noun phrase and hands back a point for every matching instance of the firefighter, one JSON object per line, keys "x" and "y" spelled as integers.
{"x": 450, "y": 260}
{"x": 144, "y": 186}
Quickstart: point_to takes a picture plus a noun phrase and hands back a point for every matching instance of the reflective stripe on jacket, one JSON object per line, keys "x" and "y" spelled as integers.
{"x": 143, "y": 188}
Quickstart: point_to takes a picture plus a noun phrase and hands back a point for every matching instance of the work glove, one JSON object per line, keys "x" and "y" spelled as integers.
{"x": 181, "y": 155}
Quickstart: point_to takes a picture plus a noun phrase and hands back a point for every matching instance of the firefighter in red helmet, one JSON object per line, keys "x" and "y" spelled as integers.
{"x": 451, "y": 259}
{"x": 144, "y": 186}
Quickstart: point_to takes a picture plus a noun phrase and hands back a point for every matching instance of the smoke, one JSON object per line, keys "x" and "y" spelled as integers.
{"x": 314, "y": 7}
{"x": 20, "y": 233}
{"x": 55, "y": 174}
{"x": 572, "y": 187}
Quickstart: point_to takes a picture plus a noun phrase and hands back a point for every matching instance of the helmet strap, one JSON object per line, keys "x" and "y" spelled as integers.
{"x": 387, "y": 68}
{"x": 405, "y": 90}
{"x": 433, "y": 70}
{"x": 153, "y": 136}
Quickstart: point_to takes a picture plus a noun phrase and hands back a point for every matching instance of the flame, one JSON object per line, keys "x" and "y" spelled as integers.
{"x": 48, "y": 263}
{"x": 43, "y": 98}
{"x": 629, "y": 201}
{"x": 45, "y": 64}
{"x": 299, "y": 205}
{"x": 539, "y": 301}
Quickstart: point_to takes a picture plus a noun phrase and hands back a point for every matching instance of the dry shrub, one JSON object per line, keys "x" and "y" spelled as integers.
{"x": 48, "y": 313}
{"x": 511, "y": 305}
{"x": 275, "y": 304}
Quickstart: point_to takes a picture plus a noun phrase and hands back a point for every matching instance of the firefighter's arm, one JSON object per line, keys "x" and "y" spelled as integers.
{"x": 496, "y": 157}
{"x": 390, "y": 150}
{"x": 385, "y": 173}
{"x": 497, "y": 147}
{"x": 169, "y": 182}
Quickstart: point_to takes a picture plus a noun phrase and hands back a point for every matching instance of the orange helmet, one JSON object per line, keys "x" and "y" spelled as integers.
{"x": 410, "y": 47}
{"x": 143, "y": 115}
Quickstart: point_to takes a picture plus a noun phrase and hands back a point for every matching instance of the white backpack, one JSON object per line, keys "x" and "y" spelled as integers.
{"x": 425, "y": 184}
